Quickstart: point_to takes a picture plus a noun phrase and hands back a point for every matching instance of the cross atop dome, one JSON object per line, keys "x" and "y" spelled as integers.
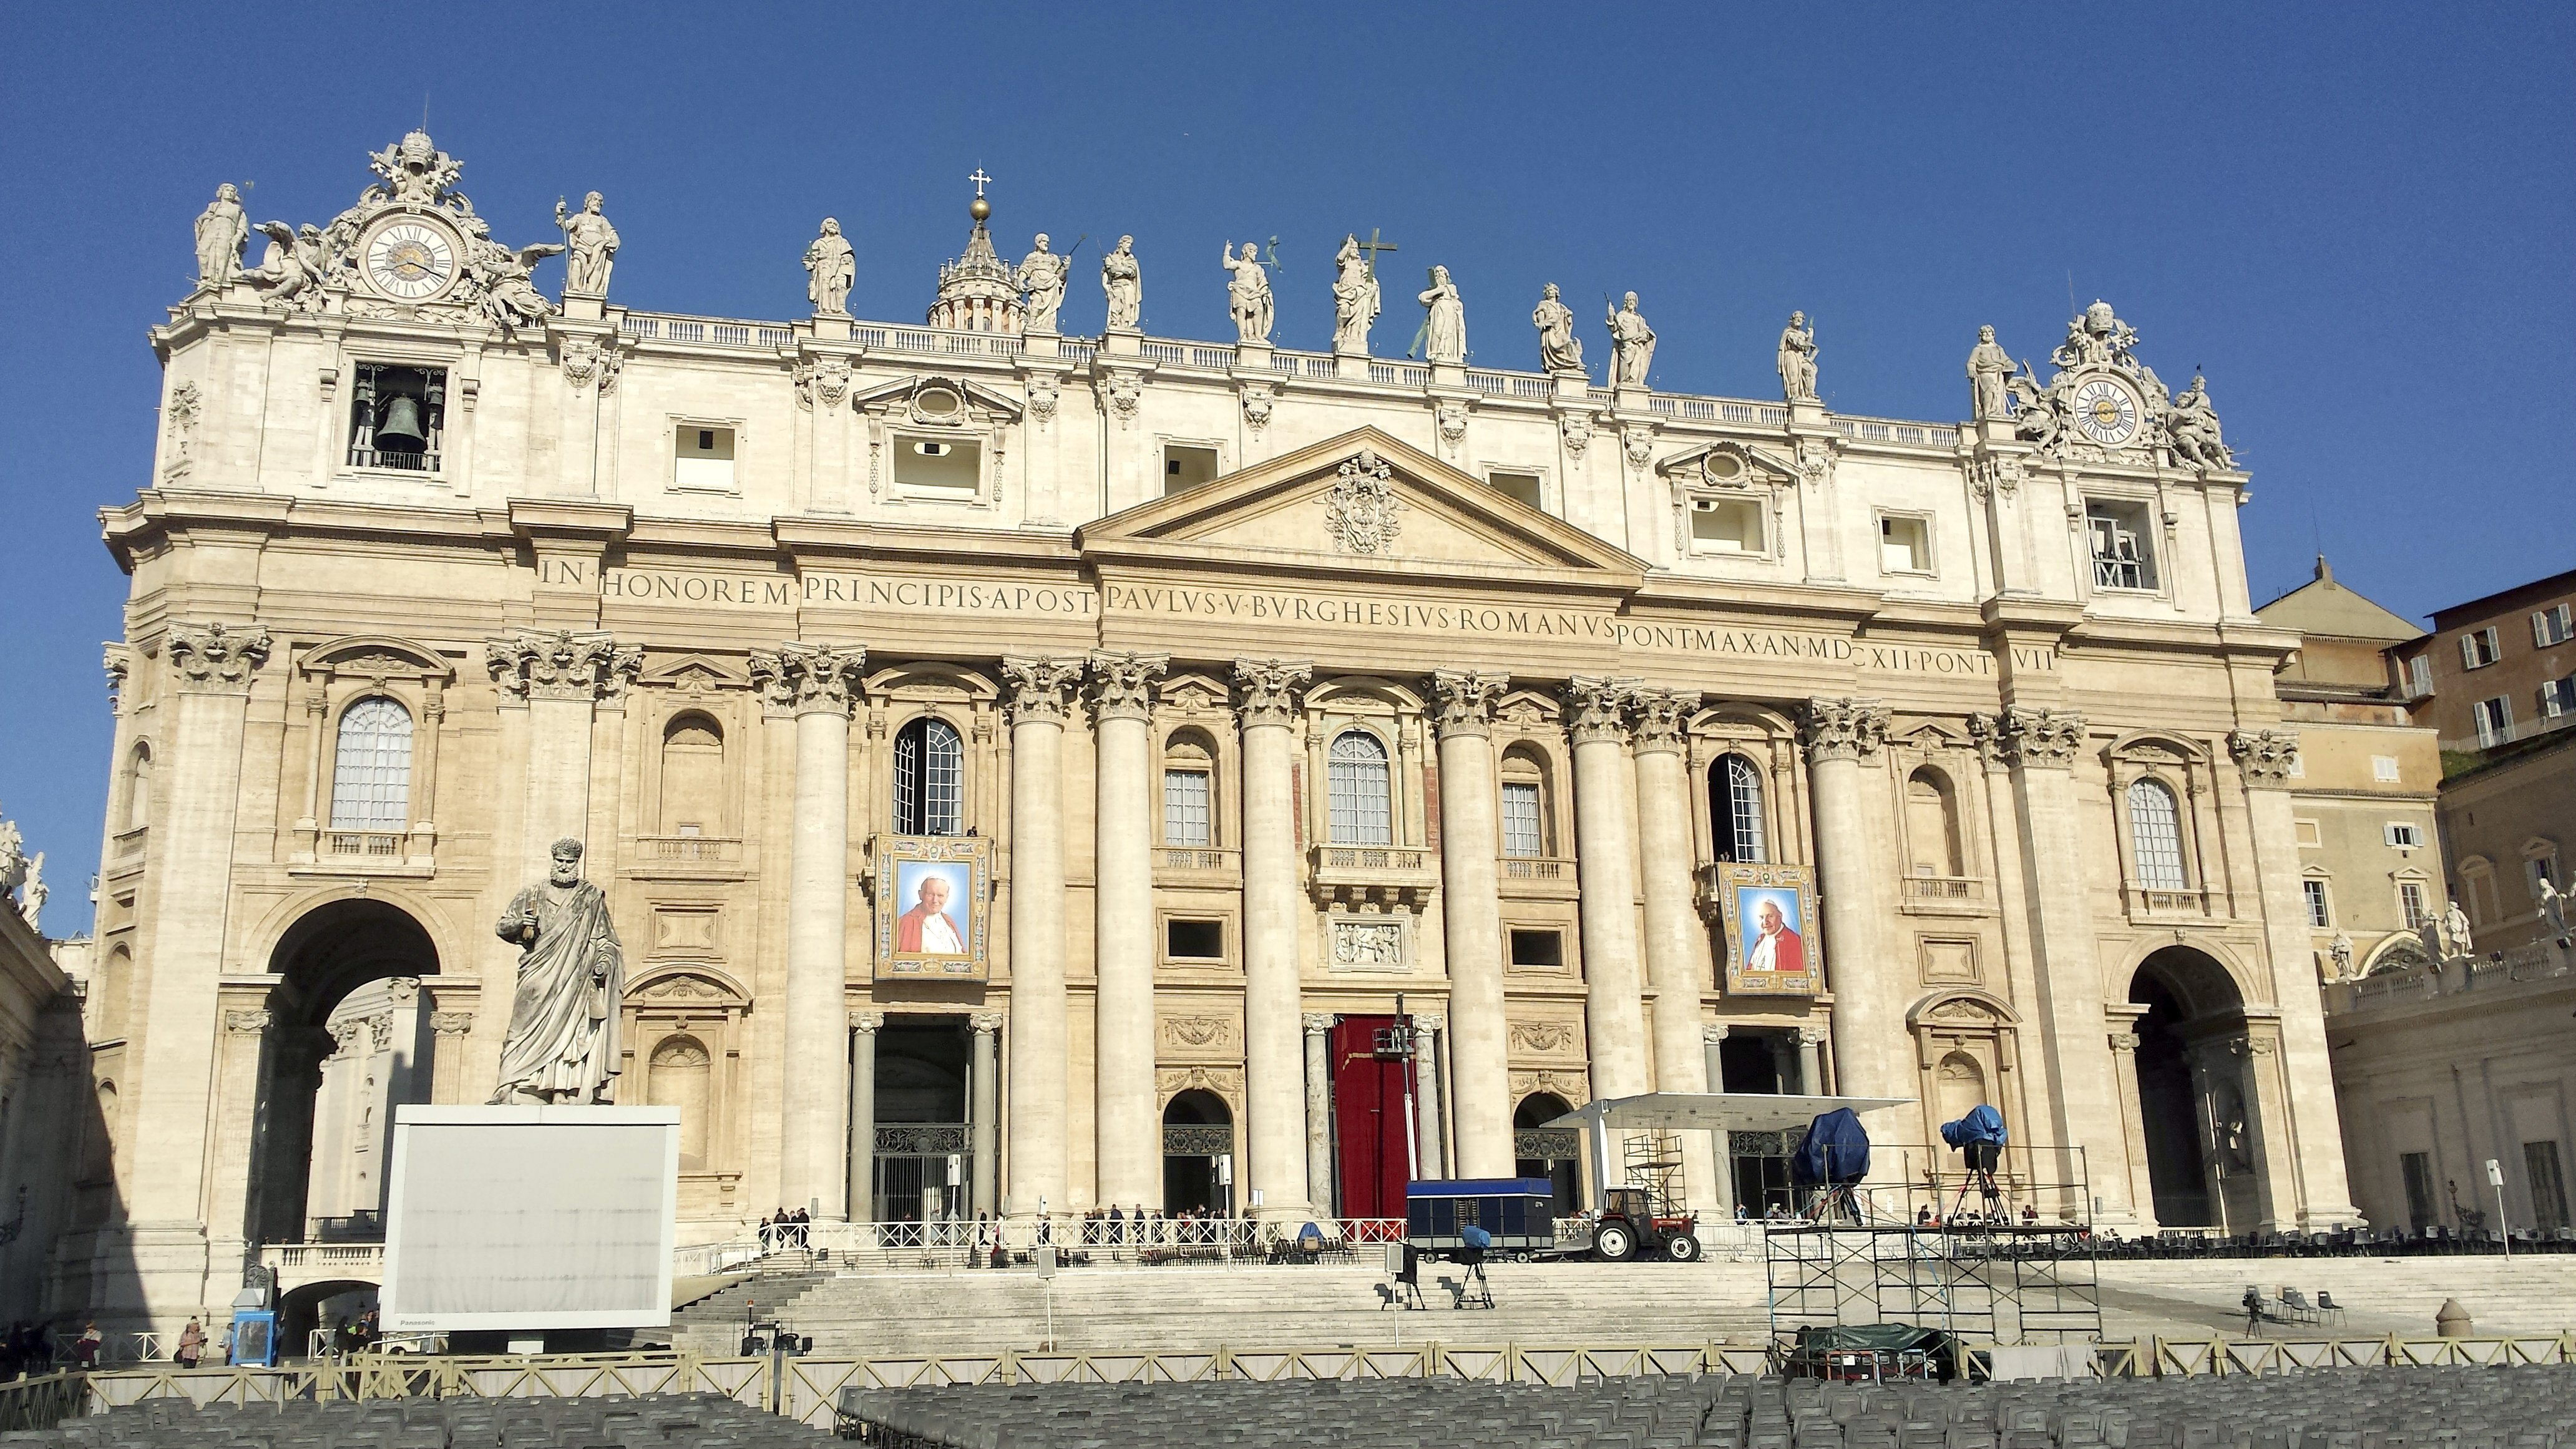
{"x": 978, "y": 292}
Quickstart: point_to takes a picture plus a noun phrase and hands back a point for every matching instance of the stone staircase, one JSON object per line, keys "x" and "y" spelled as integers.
{"x": 900, "y": 1314}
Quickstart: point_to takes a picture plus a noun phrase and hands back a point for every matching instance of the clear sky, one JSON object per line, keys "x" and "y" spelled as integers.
{"x": 2355, "y": 218}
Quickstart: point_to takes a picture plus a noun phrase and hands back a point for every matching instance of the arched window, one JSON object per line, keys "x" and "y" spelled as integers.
{"x": 1931, "y": 825}
{"x": 680, "y": 1073}
{"x": 2155, "y": 835}
{"x": 1525, "y": 801}
{"x": 692, "y": 776}
{"x": 371, "y": 778}
{"x": 929, "y": 771}
{"x": 1189, "y": 793}
{"x": 1735, "y": 810}
{"x": 1359, "y": 796}
{"x": 138, "y": 788}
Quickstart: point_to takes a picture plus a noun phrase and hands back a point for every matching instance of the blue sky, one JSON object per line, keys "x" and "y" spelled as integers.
{"x": 2355, "y": 218}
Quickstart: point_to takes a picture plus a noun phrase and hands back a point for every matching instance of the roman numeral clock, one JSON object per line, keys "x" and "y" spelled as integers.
{"x": 2106, "y": 412}
{"x": 411, "y": 258}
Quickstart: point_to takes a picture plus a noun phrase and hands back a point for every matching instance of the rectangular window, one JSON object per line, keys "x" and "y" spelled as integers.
{"x": 2410, "y": 903}
{"x": 2418, "y": 1170}
{"x": 2494, "y": 719}
{"x": 1186, "y": 466}
{"x": 1520, "y": 819}
{"x": 1521, "y": 488}
{"x": 2548, "y": 1188}
{"x": 2551, "y": 625}
{"x": 2320, "y": 915}
{"x": 1543, "y": 949}
{"x": 2558, "y": 698}
{"x": 1904, "y": 544}
{"x": 1185, "y": 808}
{"x": 397, "y": 417}
{"x": 2383, "y": 767}
{"x": 2419, "y": 675}
{"x": 940, "y": 468}
{"x": 703, "y": 458}
{"x": 2403, "y": 835}
{"x": 2124, "y": 555}
{"x": 2480, "y": 648}
{"x": 1726, "y": 525}
{"x": 1193, "y": 940}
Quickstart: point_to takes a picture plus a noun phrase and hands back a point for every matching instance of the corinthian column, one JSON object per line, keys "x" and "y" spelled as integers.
{"x": 1605, "y": 846}
{"x": 814, "y": 683}
{"x": 1869, "y": 1022}
{"x": 1677, "y": 957}
{"x": 1122, "y": 700}
{"x": 1268, "y": 696}
{"x": 1041, "y": 691}
{"x": 1319, "y": 1108}
{"x": 212, "y": 667}
{"x": 1470, "y": 839}
{"x": 562, "y": 675}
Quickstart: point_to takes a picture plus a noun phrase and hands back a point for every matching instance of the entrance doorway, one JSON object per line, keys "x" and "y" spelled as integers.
{"x": 1554, "y": 1153}
{"x": 1372, "y": 1137}
{"x": 924, "y": 1163}
{"x": 2200, "y": 1171}
{"x": 1198, "y": 1155}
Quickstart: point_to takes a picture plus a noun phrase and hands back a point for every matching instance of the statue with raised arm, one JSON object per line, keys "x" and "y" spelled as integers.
{"x": 1247, "y": 294}
{"x": 1124, "y": 284}
{"x": 590, "y": 246}
{"x": 1041, "y": 275}
{"x": 33, "y": 904}
{"x": 1798, "y": 359}
{"x": 562, "y": 1045}
{"x": 2191, "y": 428}
{"x": 1632, "y": 344}
{"x": 1559, "y": 350}
{"x": 1444, "y": 322}
{"x": 2036, "y": 417}
{"x": 1989, "y": 375}
{"x": 508, "y": 277}
{"x": 1355, "y": 299}
{"x": 290, "y": 274}
{"x": 2339, "y": 955}
{"x": 222, "y": 230}
{"x": 830, "y": 267}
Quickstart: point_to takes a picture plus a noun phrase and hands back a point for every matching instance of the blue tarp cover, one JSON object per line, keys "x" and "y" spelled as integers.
{"x": 1835, "y": 1150}
{"x": 1982, "y": 1124}
{"x": 1483, "y": 1187}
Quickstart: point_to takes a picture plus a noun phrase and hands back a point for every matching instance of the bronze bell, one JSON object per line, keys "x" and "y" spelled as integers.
{"x": 400, "y": 432}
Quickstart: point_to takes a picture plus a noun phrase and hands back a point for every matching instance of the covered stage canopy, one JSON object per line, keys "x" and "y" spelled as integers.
{"x": 1716, "y": 1111}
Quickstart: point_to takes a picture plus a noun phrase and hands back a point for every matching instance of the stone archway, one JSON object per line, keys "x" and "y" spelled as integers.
{"x": 1555, "y": 1153}
{"x": 347, "y": 1041}
{"x": 2195, "y": 1106}
{"x": 1198, "y": 1135}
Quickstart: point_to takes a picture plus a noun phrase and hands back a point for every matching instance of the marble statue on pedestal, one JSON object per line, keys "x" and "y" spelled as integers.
{"x": 2553, "y": 909}
{"x": 32, "y": 899}
{"x": 562, "y": 1046}
{"x": 590, "y": 246}
{"x": 2456, "y": 926}
{"x": 1444, "y": 325}
{"x": 1041, "y": 275}
{"x": 2340, "y": 954}
{"x": 1124, "y": 284}
{"x": 2429, "y": 932}
{"x": 1559, "y": 350}
{"x": 2192, "y": 428}
{"x": 1632, "y": 344}
{"x": 830, "y": 267}
{"x": 290, "y": 274}
{"x": 1355, "y": 299}
{"x": 1989, "y": 377}
{"x": 1798, "y": 359}
{"x": 222, "y": 230}
{"x": 507, "y": 276}
{"x": 1247, "y": 294}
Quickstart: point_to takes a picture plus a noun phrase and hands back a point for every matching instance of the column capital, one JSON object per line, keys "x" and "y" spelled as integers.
{"x": 1122, "y": 685}
{"x": 801, "y": 678}
{"x": 1041, "y": 687}
{"x": 1466, "y": 698}
{"x": 1712, "y": 1032}
{"x": 2018, "y": 737}
{"x": 1811, "y": 1036}
{"x": 1596, "y": 708}
{"x": 1318, "y": 1022}
{"x": 986, "y": 1023}
{"x": 246, "y": 1022}
{"x": 1842, "y": 729}
{"x": 2262, "y": 1046}
{"x": 1270, "y": 691}
{"x": 2266, "y": 756}
{"x": 451, "y": 1023}
{"x": 867, "y": 1021}
{"x": 216, "y": 658}
{"x": 1425, "y": 1022}
{"x": 1662, "y": 717}
{"x": 561, "y": 664}
{"x": 2124, "y": 1041}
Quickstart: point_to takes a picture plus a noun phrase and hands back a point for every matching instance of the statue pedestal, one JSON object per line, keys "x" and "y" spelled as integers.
{"x": 583, "y": 307}
{"x": 1249, "y": 356}
{"x": 1351, "y": 366}
{"x": 1994, "y": 430}
{"x": 1039, "y": 344}
{"x": 1807, "y": 412}
{"x": 1448, "y": 374}
{"x": 1128, "y": 342}
{"x": 1628, "y": 397}
{"x": 832, "y": 326}
{"x": 1573, "y": 386}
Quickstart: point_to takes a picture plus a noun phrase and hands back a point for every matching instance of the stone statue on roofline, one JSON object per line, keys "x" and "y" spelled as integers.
{"x": 1632, "y": 344}
{"x": 562, "y": 1046}
{"x": 830, "y": 267}
{"x": 1356, "y": 299}
{"x": 222, "y": 229}
{"x": 1989, "y": 377}
{"x": 1247, "y": 294}
{"x": 590, "y": 246}
{"x": 2191, "y": 429}
{"x": 1041, "y": 275}
{"x": 1122, "y": 281}
{"x": 1444, "y": 323}
{"x": 1798, "y": 359}
{"x": 1559, "y": 350}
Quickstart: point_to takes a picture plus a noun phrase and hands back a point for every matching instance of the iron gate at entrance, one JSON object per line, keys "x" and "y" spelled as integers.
{"x": 922, "y": 1172}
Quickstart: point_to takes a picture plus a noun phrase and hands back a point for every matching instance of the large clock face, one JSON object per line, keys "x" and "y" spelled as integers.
{"x": 2106, "y": 412}
{"x": 410, "y": 260}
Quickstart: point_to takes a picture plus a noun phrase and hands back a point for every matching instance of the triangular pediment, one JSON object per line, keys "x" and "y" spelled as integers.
{"x": 1367, "y": 502}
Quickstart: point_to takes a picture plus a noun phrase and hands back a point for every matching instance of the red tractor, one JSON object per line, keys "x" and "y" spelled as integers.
{"x": 1628, "y": 1227}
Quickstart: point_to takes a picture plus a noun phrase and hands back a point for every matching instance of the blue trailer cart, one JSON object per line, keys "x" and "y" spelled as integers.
{"x": 1519, "y": 1213}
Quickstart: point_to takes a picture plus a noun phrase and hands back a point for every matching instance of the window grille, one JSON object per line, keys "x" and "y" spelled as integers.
{"x": 2155, "y": 831}
{"x": 1357, "y": 771}
{"x": 929, "y": 764}
{"x": 1520, "y": 819}
{"x": 371, "y": 776}
{"x": 1739, "y": 811}
{"x": 1185, "y": 808}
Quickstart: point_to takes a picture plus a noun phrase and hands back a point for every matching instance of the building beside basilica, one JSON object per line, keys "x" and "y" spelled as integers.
{"x": 1029, "y": 769}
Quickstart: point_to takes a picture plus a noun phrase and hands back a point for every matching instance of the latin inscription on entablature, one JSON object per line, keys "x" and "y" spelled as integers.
{"x": 898, "y": 593}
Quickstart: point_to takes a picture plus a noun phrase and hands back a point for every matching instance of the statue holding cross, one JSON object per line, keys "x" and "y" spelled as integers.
{"x": 1355, "y": 292}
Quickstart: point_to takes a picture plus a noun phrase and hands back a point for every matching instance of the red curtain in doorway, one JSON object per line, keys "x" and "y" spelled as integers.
{"x": 1368, "y": 1121}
